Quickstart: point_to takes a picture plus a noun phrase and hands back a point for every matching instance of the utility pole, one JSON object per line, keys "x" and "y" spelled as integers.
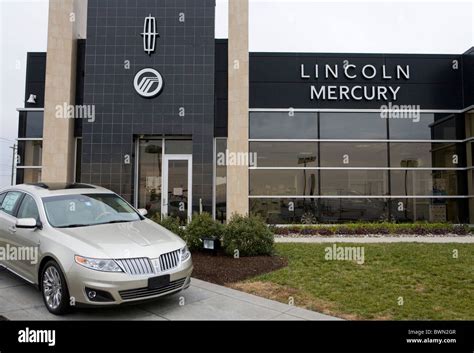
{"x": 14, "y": 149}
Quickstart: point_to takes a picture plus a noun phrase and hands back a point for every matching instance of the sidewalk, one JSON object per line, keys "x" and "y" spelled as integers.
{"x": 202, "y": 301}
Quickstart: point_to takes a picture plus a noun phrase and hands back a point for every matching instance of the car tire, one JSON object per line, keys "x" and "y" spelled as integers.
{"x": 54, "y": 289}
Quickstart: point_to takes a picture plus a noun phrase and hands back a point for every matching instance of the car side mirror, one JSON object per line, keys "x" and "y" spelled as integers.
{"x": 27, "y": 223}
{"x": 143, "y": 212}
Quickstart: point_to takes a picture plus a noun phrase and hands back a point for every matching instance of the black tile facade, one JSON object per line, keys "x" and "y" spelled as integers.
{"x": 185, "y": 58}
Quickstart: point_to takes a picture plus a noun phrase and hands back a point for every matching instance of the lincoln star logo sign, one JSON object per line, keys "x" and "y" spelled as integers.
{"x": 149, "y": 34}
{"x": 148, "y": 83}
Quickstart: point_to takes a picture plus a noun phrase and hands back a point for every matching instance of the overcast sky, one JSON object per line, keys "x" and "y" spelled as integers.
{"x": 275, "y": 25}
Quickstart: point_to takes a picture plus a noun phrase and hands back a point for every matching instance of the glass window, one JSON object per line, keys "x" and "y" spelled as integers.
{"x": 353, "y": 126}
{"x": 286, "y": 211}
{"x": 28, "y": 208}
{"x": 150, "y": 174}
{"x": 10, "y": 202}
{"x": 179, "y": 147}
{"x": 221, "y": 182}
{"x": 354, "y": 210}
{"x": 28, "y": 175}
{"x": 428, "y": 127}
{"x": 283, "y": 125}
{"x": 312, "y": 211}
{"x": 30, "y": 153}
{"x": 429, "y": 210}
{"x": 424, "y": 182}
{"x": 283, "y": 182}
{"x": 2, "y": 196}
{"x": 411, "y": 155}
{"x": 72, "y": 211}
{"x": 354, "y": 182}
{"x": 78, "y": 159}
{"x": 285, "y": 154}
{"x": 31, "y": 124}
{"x": 348, "y": 154}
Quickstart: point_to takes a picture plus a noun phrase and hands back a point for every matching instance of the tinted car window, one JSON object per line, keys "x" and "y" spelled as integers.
{"x": 10, "y": 201}
{"x": 28, "y": 208}
{"x": 2, "y": 196}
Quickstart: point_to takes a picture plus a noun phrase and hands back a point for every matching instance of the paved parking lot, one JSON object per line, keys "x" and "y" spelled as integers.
{"x": 202, "y": 301}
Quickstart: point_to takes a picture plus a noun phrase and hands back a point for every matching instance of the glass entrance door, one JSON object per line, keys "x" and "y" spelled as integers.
{"x": 176, "y": 199}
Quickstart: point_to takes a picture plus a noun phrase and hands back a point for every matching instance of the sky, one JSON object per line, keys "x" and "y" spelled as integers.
{"x": 349, "y": 26}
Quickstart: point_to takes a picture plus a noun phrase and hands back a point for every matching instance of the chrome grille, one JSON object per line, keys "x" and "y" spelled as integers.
{"x": 137, "y": 266}
{"x": 169, "y": 260}
{"x": 146, "y": 292}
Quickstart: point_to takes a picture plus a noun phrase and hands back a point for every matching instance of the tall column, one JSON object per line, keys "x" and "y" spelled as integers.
{"x": 238, "y": 115}
{"x": 67, "y": 23}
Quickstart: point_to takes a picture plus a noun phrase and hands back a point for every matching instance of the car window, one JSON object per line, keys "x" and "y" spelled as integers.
{"x": 85, "y": 210}
{"x": 2, "y": 196}
{"x": 10, "y": 201}
{"x": 28, "y": 208}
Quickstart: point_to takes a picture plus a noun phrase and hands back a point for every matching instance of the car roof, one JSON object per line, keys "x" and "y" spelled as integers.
{"x": 57, "y": 189}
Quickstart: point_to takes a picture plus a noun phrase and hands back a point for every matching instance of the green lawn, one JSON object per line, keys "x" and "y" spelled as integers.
{"x": 433, "y": 284}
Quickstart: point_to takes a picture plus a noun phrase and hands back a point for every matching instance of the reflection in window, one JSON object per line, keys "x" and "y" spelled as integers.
{"x": 424, "y": 182}
{"x": 352, "y": 126}
{"x": 283, "y": 182}
{"x": 31, "y": 124}
{"x": 283, "y": 125}
{"x": 347, "y": 154}
{"x": 429, "y": 210}
{"x": 30, "y": 153}
{"x": 221, "y": 183}
{"x": 354, "y": 182}
{"x": 285, "y": 154}
{"x": 28, "y": 175}
{"x": 150, "y": 174}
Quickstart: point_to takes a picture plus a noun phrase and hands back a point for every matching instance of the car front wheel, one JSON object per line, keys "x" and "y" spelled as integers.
{"x": 54, "y": 289}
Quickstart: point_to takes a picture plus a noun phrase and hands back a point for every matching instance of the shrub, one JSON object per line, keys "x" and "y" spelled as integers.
{"x": 249, "y": 235}
{"x": 202, "y": 226}
{"x": 375, "y": 228}
{"x": 173, "y": 224}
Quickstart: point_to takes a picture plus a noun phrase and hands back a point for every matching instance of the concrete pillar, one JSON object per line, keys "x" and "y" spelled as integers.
{"x": 66, "y": 24}
{"x": 238, "y": 125}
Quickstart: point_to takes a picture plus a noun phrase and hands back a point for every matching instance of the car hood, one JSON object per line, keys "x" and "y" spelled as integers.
{"x": 125, "y": 240}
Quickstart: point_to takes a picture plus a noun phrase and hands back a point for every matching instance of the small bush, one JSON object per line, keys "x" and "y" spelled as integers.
{"x": 171, "y": 223}
{"x": 249, "y": 235}
{"x": 202, "y": 226}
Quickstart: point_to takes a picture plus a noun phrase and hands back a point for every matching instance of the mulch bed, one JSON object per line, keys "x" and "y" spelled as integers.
{"x": 222, "y": 269}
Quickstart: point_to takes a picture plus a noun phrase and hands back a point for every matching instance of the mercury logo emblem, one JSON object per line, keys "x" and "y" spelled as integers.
{"x": 149, "y": 34}
{"x": 148, "y": 83}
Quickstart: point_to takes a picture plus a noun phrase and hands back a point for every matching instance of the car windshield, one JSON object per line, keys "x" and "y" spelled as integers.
{"x": 83, "y": 210}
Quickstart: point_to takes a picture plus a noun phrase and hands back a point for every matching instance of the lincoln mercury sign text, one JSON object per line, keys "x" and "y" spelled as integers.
{"x": 353, "y": 72}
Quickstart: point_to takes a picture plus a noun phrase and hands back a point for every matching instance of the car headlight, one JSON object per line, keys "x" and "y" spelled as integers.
{"x": 185, "y": 254}
{"x": 98, "y": 264}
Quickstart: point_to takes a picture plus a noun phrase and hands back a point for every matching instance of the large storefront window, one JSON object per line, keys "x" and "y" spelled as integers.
{"x": 348, "y": 154}
{"x": 352, "y": 126}
{"x": 283, "y": 125}
{"x": 220, "y": 181}
{"x": 285, "y": 154}
{"x": 29, "y": 158}
{"x": 150, "y": 174}
{"x": 341, "y": 167}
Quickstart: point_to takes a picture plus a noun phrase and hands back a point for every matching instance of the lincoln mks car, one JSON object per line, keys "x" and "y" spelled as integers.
{"x": 85, "y": 245}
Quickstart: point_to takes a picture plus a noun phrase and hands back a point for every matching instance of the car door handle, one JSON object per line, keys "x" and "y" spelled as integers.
{"x": 12, "y": 229}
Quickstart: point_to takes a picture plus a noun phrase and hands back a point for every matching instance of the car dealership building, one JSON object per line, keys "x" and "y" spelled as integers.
{"x": 139, "y": 97}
